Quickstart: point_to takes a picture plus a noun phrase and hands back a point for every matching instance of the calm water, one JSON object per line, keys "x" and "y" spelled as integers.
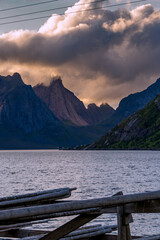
{"x": 94, "y": 173}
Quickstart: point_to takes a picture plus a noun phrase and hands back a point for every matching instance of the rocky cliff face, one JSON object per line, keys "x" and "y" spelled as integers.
{"x": 67, "y": 107}
{"x": 139, "y": 131}
{"x": 63, "y": 103}
{"x": 21, "y": 108}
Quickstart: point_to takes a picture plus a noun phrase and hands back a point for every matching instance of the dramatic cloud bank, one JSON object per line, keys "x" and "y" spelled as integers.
{"x": 101, "y": 55}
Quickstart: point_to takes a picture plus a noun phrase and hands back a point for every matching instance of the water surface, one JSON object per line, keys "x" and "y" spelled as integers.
{"x": 94, "y": 173}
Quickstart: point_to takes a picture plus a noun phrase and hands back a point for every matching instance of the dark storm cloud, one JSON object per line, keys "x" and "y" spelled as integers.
{"x": 118, "y": 46}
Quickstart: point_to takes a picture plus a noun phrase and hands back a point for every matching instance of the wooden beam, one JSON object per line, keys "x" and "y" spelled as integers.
{"x": 120, "y": 221}
{"x": 48, "y": 216}
{"x": 150, "y": 206}
{"x": 77, "y": 205}
{"x": 35, "y": 194}
{"x": 69, "y": 227}
{"x": 41, "y": 197}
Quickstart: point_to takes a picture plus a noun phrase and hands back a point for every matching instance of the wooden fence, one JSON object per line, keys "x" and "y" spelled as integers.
{"x": 17, "y": 212}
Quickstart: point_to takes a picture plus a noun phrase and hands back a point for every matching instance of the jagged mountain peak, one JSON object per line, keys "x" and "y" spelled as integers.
{"x": 62, "y": 102}
{"x": 16, "y": 76}
{"x": 67, "y": 107}
{"x": 8, "y": 83}
{"x": 92, "y": 106}
{"x": 13, "y": 80}
{"x": 98, "y": 114}
{"x": 104, "y": 105}
{"x": 56, "y": 82}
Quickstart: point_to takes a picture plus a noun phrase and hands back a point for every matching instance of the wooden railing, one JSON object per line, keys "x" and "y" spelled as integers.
{"x": 19, "y": 211}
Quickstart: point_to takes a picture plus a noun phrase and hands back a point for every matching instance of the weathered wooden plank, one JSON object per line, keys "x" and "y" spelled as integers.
{"x": 48, "y": 216}
{"x": 150, "y": 206}
{"x": 69, "y": 227}
{"x": 8, "y": 198}
{"x": 120, "y": 221}
{"x": 47, "y": 196}
{"x": 77, "y": 205}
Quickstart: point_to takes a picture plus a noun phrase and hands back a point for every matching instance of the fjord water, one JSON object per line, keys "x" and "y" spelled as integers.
{"x": 94, "y": 173}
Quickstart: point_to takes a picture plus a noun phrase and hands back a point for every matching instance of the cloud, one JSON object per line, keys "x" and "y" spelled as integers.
{"x": 101, "y": 55}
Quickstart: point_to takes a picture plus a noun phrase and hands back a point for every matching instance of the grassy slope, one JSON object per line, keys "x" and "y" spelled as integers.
{"x": 149, "y": 120}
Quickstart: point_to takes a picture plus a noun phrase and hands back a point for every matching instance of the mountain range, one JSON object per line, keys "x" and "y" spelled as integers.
{"x": 44, "y": 117}
{"x": 141, "y": 130}
{"x": 131, "y": 104}
{"x": 68, "y": 108}
{"x": 52, "y": 116}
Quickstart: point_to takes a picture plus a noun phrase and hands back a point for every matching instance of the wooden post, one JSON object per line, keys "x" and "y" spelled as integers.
{"x": 121, "y": 225}
{"x": 123, "y": 220}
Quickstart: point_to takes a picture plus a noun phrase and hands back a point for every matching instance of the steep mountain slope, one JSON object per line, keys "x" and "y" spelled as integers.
{"x": 20, "y": 107}
{"x": 139, "y": 131}
{"x": 27, "y": 123}
{"x": 132, "y": 103}
{"x": 63, "y": 103}
{"x": 67, "y": 107}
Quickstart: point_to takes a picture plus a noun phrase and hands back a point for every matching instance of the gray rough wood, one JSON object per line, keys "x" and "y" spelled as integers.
{"x": 120, "y": 221}
{"x": 150, "y": 206}
{"x": 35, "y": 194}
{"x": 123, "y": 220}
{"x": 54, "y": 215}
{"x": 77, "y": 205}
{"x": 53, "y": 195}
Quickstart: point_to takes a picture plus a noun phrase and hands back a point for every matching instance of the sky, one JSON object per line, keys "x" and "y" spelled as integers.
{"x": 101, "y": 55}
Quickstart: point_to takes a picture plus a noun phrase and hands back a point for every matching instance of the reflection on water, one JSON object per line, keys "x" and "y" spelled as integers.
{"x": 94, "y": 173}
